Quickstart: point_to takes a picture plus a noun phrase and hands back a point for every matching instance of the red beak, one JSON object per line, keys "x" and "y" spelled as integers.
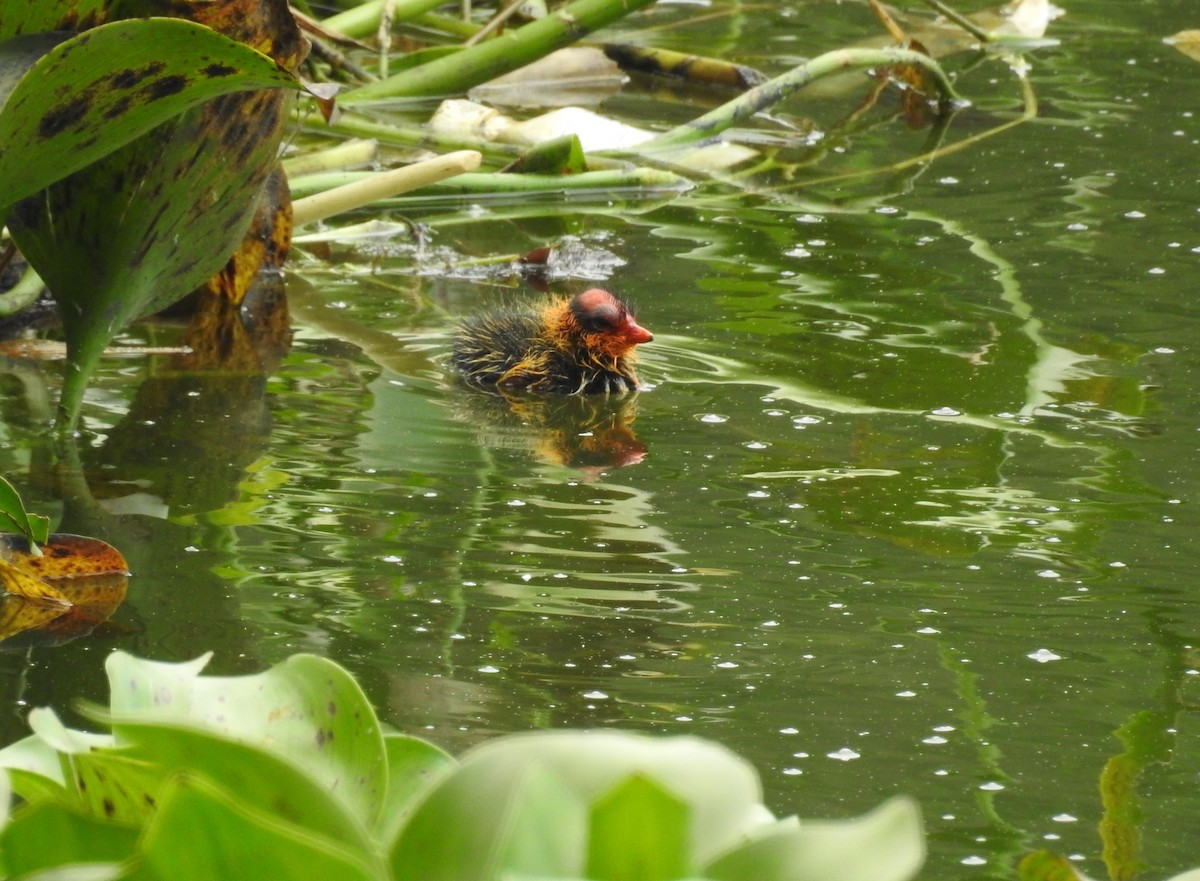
{"x": 635, "y": 333}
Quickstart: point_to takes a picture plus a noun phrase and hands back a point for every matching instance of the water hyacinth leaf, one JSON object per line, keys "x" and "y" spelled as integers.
{"x": 101, "y": 89}
{"x": 720, "y": 790}
{"x": 262, "y": 779}
{"x": 201, "y": 832}
{"x": 887, "y": 844}
{"x": 531, "y": 824}
{"x": 13, "y": 515}
{"x": 638, "y": 832}
{"x": 115, "y": 786}
{"x": 307, "y": 709}
{"x": 76, "y": 838}
{"x": 414, "y": 765}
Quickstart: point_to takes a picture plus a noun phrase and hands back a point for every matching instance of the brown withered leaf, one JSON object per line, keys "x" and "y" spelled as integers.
{"x": 65, "y": 556}
{"x": 73, "y": 585}
{"x": 265, "y": 245}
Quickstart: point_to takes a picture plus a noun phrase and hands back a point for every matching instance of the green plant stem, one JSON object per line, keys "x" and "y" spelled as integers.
{"x": 505, "y": 184}
{"x": 81, "y": 362}
{"x": 21, "y": 295}
{"x": 775, "y": 90}
{"x": 415, "y": 136}
{"x": 458, "y": 72}
{"x": 361, "y": 21}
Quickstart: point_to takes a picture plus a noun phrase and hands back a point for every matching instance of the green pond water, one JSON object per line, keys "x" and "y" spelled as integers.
{"x": 908, "y": 507}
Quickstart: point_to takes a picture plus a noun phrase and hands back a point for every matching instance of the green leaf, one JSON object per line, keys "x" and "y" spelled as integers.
{"x": 115, "y": 785}
{"x": 142, "y": 225}
{"x": 307, "y": 710}
{"x": 101, "y": 89}
{"x": 47, "y": 835}
{"x": 721, "y": 789}
{"x": 561, "y": 155}
{"x": 478, "y": 826}
{"x": 886, "y": 844}
{"x": 14, "y": 516}
{"x": 262, "y": 780}
{"x": 638, "y": 832}
{"x": 202, "y": 832}
{"x": 34, "y": 768}
{"x": 32, "y": 16}
{"x": 414, "y": 766}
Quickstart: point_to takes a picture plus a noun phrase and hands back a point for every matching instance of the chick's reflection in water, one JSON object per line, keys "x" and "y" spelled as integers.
{"x": 589, "y": 432}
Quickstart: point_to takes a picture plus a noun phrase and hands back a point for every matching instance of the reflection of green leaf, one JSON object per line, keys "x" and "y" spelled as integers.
{"x": 1042, "y": 865}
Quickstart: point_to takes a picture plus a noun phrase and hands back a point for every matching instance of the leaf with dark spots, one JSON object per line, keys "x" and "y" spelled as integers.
{"x": 130, "y": 77}
{"x": 165, "y": 87}
{"x": 69, "y": 96}
{"x": 215, "y": 70}
{"x": 38, "y": 16}
{"x": 58, "y": 119}
{"x": 120, "y": 108}
{"x": 144, "y": 226}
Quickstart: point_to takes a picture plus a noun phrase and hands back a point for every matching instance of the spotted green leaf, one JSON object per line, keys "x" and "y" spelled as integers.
{"x": 101, "y": 89}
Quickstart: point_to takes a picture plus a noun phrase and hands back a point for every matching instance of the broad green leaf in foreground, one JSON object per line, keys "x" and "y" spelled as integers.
{"x": 262, "y": 779}
{"x": 77, "y": 838}
{"x": 886, "y": 844}
{"x": 307, "y": 709}
{"x": 454, "y": 835}
{"x": 414, "y": 765}
{"x": 638, "y": 832}
{"x": 102, "y": 89}
{"x": 201, "y": 832}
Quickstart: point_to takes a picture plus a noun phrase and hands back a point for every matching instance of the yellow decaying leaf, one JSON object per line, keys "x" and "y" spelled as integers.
{"x": 1187, "y": 42}
{"x": 22, "y": 584}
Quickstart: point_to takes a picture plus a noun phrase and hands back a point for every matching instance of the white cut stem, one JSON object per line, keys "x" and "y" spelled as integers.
{"x": 383, "y": 185}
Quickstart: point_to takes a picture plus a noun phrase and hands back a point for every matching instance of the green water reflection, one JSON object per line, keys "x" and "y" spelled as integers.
{"x": 909, "y": 506}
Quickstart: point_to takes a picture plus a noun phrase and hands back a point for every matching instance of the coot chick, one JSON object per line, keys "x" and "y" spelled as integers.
{"x": 571, "y": 347}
